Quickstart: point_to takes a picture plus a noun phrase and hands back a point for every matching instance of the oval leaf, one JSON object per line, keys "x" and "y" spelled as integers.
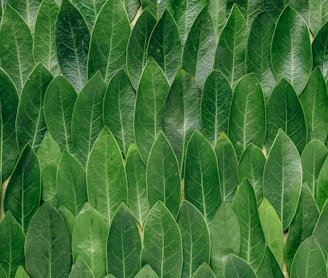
{"x": 156, "y": 7}
{"x": 269, "y": 267}
{"x": 318, "y": 15}
{"x": 321, "y": 228}
{"x": 236, "y": 267}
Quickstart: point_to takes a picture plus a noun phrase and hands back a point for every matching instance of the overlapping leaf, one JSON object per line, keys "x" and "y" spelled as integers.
{"x": 318, "y": 11}
{"x": 81, "y": 269}
{"x": 157, "y": 8}
{"x": 319, "y": 46}
{"x": 236, "y": 267}
{"x": 321, "y": 189}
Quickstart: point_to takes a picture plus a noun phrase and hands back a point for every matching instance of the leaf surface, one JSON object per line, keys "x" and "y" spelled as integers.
{"x": 146, "y": 271}
{"x": 204, "y": 271}
{"x": 236, "y": 267}
{"x": 218, "y": 12}
{"x": 269, "y": 267}
{"x": 319, "y": 46}
{"x": 321, "y": 189}
{"x": 321, "y": 228}
{"x": 157, "y": 8}
{"x": 81, "y": 269}
{"x": 318, "y": 11}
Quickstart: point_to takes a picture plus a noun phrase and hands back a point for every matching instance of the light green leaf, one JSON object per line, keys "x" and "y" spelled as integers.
{"x": 88, "y": 239}
{"x": 148, "y": 118}
{"x": 106, "y": 178}
{"x": 146, "y": 271}
{"x": 157, "y": 8}
{"x": 215, "y": 105}
{"x": 16, "y": 47}
{"x": 21, "y": 273}
{"x": 123, "y": 244}
{"x": 247, "y": 119}
{"x": 195, "y": 238}
{"x": 204, "y": 271}
{"x": 319, "y": 46}
{"x": 72, "y": 42}
{"x": 132, "y": 7}
{"x": 201, "y": 180}
{"x": 318, "y": 15}
{"x": 47, "y": 245}
{"x": 321, "y": 229}
{"x": 236, "y": 267}
{"x": 291, "y": 49}
{"x": 269, "y": 267}
{"x": 162, "y": 246}
{"x": 282, "y": 178}
{"x": 81, "y": 269}
{"x": 218, "y": 12}
{"x": 321, "y": 189}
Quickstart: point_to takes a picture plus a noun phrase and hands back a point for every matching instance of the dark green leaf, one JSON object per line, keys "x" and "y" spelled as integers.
{"x": 146, "y": 272}
{"x": 156, "y": 7}
{"x": 273, "y": 8}
{"x": 319, "y": 50}
{"x": 318, "y": 15}
{"x": 236, "y": 267}
{"x": 321, "y": 189}
{"x": 81, "y": 269}
{"x": 321, "y": 229}
{"x": 249, "y": 8}
{"x": 269, "y": 267}
{"x": 302, "y": 7}
{"x": 3, "y": 272}
{"x": 204, "y": 271}
{"x": 132, "y": 7}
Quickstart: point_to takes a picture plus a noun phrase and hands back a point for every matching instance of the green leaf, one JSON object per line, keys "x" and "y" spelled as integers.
{"x": 123, "y": 244}
{"x": 284, "y": 111}
{"x": 132, "y": 7}
{"x": 44, "y": 43}
{"x": 204, "y": 271}
{"x": 157, "y": 8}
{"x": 72, "y": 42}
{"x": 152, "y": 92}
{"x": 87, "y": 116}
{"x": 106, "y": 178}
{"x": 320, "y": 230}
{"x": 269, "y": 267}
{"x": 162, "y": 175}
{"x": 318, "y": 15}
{"x": 201, "y": 180}
{"x": 252, "y": 238}
{"x": 21, "y": 273}
{"x": 109, "y": 39}
{"x": 22, "y": 196}
{"x": 58, "y": 104}
{"x": 319, "y": 46}
{"x": 227, "y": 165}
{"x": 309, "y": 260}
{"x": 247, "y": 119}
{"x": 81, "y": 269}
{"x": 225, "y": 237}
{"x": 230, "y": 53}
{"x": 16, "y": 47}
{"x": 218, "y": 12}
{"x": 322, "y": 190}
{"x": 165, "y": 46}
{"x": 12, "y": 240}
{"x": 146, "y": 272}
{"x": 3, "y": 272}
{"x": 272, "y": 230}
{"x": 237, "y": 267}
{"x": 119, "y": 102}
{"x": 302, "y": 7}
{"x": 162, "y": 246}
{"x": 291, "y": 49}
{"x": 88, "y": 239}
{"x": 199, "y": 50}
{"x": 314, "y": 101}
{"x": 68, "y": 217}
{"x": 47, "y": 245}
{"x": 195, "y": 238}
{"x": 182, "y": 113}
{"x": 215, "y": 105}
{"x": 136, "y": 56}
{"x": 250, "y": 8}
{"x": 282, "y": 178}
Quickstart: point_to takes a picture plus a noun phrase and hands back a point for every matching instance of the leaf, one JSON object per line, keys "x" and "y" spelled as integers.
{"x": 182, "y": 113}
{"x": 3, "y": 272}
{"x": 318, "y": 15}
{"x": 137, "y": 189}
{"x": 88, "y": 238}
{"x": 44, "y": 43}
{"x": 152, "y": 93}
{"x": 269, "y": 267}
{"x": 68, "y": 218}
{"x": 282, "y": 178}
{"x": 21, "y": 273}
{"x": 119, "y": 102}
{"x": 252, "y": 238}
{"x": 58, "y": 104}
{"x": 195, "y": 238}
{"x": 309, "y": 260}
{"x": 12, "y": 240}
{"x": 81, "y": 269}
{"x": 218, "y": 12}
{"x": 291, "y": 49}
{"x": 22, "y": 196}
{"x": 162, "y": 175}
{"x": 146, "y": 271}
{"x": 162, "y": 246}
{"x": 320, "y": 230}
{"x": 237, "y": 267}
{"x": 72, "y": 42}
{"x": 109, "y": 39}
{"x": 157, "y": 8}
{"x": 199, "y": 50}
{"x": 106, "y": 178}
{"x": 215, "y": 105}
{"x": 227, "y": 167}
{"x": 314, "y": 101}
{"x": 204, "y": 271}
{"x": 225, "y": 225}
{"x": 201, "y": 180}
{"x": 165, "y": 46}
{"x": 321, "y": 190}
{"x": 302, "y": 7}
{"x": 132, "y": 7}
{"x": 272, "y": 230}
{"x": 249, "y": 9}
{"x": 137, "y": 48}
{"x": 16, "y": 58}
{"x": 284, "y": 110}
{"x": 319, "y": 46}
{"x": 87, "y": 116}
{"x": 247, "y": 119}
{"x": 123, "y": 244}
{"x": 47, "y": 245}
{"x": 230, "y": 52}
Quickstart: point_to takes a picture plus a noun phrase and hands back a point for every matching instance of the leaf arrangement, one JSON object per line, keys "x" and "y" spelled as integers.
{"x": 163, "y": 138}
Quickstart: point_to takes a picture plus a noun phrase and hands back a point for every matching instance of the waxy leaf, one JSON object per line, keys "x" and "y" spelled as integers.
{"x": 106, "y": 178}
{"x": 269, "y": 267}
{"x": 320, "y": 230}
{"x": 109, "y": 39}
{"x": 16, "y": 47}
{"x": 123, "y": 244}
{"x": 162, "y": 246}
{"x": 22, "y": 195}
{"x": 291, "y": 49}
{"x": 218, "y": 12}
{"x": 147, "y": 271}
{"x": 47, "y": 245}
{"x": 318, "y": 11}
{"x": 321, "y": 189}
{"x": 236, "y": 267}
{"x": 72, "y": 42}
{"x": 282, "y": 178}
{"x": 215, "y": 105}
{"x": 119, "y": 102}
{"x": 151, "y": 96}
{"x": 247, "y": 119}
{"x": 195, "y": 238}
{"x": 204, "y": 271}
{"x": 319, "y": 46}
{"x": 81, "y": 269}
{"x": 201, "y": 180}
